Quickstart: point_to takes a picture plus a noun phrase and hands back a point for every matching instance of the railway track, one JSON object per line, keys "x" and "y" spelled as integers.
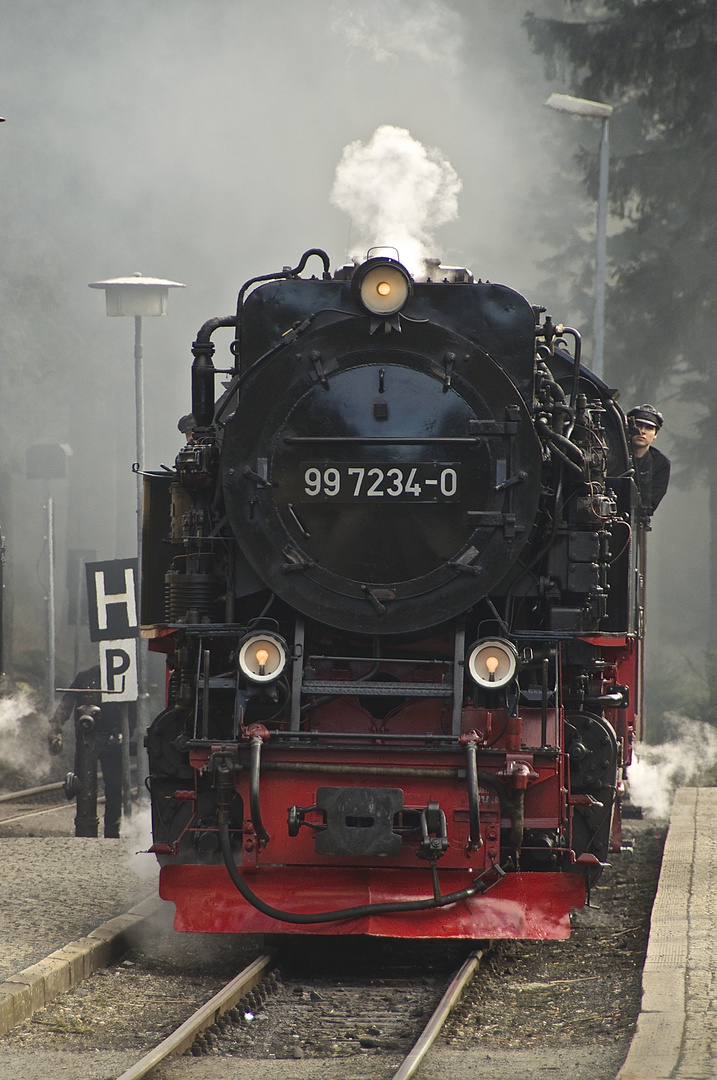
{"x": 16, "y": 806}
{"x": 357, "y": 1010}
{"x": 258, "y": 1010}
{"x": 26, "y": 793}
{"x": 212, "y": 1017}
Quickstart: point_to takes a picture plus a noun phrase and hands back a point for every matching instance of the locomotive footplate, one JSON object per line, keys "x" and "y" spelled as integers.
{"x": 350, "y": 688}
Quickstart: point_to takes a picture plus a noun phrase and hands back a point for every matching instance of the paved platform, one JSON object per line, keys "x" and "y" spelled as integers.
{"x": 91, "y": 893}
{"x": 676, "y": 1034}
{"x": 36, "y": 986}
{"x": 58, "y": 889}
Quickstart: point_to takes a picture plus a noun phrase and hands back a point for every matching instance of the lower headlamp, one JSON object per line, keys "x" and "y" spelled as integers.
{"x": 262, "y": 657}
{"x": 492, "y": 663}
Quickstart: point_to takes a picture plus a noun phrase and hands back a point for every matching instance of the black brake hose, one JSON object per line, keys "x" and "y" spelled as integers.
{"x": 330, "y": 916}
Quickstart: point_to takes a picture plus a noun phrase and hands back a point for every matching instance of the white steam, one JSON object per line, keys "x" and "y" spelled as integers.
{"x": 685, "y": 760}
{"x": 396, "y": 193}
{"x": 23, "y": 739}
{"x": 12, "y": 712}
{"x": 137, "y": 830}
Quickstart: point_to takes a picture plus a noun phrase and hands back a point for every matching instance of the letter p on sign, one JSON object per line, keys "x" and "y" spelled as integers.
{"x": 118, "y": 670}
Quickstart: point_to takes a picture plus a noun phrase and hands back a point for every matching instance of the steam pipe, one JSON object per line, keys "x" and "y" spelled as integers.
{"x": 413, "y": 771}
{"x": 512, "y": 805}
{"x": 205, "y": 696}
{"x": 612, "y": 407}
{"x": 281, "y": 275}
{"x": 578, "y": 354}
{"x": 203, "y": 371}
{"x": 557, "y": 394}
{"x": 565, "y": 460}
{"x": 544, "y": 703}
{"x": 254, "y": 778}
{"x": 569, "y": 449}
{"x": 517, "y": 819}
{"x": 305, "y": 258}
{"x": 475, "y": 839}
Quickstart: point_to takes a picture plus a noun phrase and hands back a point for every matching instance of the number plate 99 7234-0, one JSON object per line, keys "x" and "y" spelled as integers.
{"x": 412, "y": 482}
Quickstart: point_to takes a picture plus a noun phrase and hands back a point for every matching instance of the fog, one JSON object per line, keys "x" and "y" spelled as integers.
{"x": 207, "y": 141}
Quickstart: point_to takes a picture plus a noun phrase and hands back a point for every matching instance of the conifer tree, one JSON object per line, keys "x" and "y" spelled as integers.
{"x": 655, "y": 61}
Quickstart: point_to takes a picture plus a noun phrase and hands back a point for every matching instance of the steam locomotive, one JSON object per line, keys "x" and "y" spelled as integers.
{"x": 397, "y": 573}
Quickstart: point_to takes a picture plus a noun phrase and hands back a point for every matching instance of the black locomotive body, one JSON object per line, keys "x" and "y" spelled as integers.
{"x": 397, "y": 575}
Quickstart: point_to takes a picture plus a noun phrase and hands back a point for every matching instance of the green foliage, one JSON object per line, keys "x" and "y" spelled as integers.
{"x": 656, "y": 62}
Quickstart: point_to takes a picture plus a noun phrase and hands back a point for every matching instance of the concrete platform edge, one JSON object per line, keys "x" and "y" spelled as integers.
{"x": 32, "y": 989}
{"x": 659, "y": 1034}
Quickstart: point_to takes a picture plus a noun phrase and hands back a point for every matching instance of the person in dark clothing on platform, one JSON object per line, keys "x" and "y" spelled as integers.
{"x": 106, "y": 740}
{"x": 652, "y": 468}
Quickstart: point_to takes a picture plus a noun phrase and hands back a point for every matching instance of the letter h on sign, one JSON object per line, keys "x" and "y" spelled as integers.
{"x": 112, "y": 601}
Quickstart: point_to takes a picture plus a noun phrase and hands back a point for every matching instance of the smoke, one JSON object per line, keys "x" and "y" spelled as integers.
{"x": 396, "y": 192}
{"x": 137, "y": 831}
{"x": 12, "y": 712}
{"x": 428, "y": 31}
{"x": 685, "y": 760}
{"x": 24, "y": 757}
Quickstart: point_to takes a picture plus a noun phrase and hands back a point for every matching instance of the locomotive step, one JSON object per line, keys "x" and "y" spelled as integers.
{"x": 382, "y": 689}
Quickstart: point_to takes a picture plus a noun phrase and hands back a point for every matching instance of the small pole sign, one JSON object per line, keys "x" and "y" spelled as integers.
{"x": 112, "y": 603}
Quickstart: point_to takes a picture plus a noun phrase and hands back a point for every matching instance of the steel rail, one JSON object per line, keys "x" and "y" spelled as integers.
{"x": 432, "y": 1029}
{"x": 27, "y": 792}
{"x": 35, "y": 813}
{"x": 208, "y": 1014}
{"x": 14, "y": 796}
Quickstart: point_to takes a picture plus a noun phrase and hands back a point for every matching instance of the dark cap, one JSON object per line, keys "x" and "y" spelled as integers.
{"x": 647, "y": 414}
{"x": 186, "y": 423}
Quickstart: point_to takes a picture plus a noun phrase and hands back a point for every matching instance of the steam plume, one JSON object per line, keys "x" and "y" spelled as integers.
{"x": 23, "y": 741}
{"x": 396, "y": 193}
{"x": 684, "y": 760}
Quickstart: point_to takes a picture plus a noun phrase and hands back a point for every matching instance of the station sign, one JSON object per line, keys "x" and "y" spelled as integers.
{"x": 114, "y": 624}
{"x": 112, "y": 599}
{"x": 118, "y": 670}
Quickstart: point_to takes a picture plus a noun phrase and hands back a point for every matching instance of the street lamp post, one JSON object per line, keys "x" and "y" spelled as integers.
{"x": 138, "y": 296}
{"x": 594, "y": 110}
{"x": 48, "y": 461}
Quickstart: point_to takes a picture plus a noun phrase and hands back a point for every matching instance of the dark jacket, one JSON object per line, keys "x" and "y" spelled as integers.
{"x": 652, "y": 473}
{"x": 110, "y": 718}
